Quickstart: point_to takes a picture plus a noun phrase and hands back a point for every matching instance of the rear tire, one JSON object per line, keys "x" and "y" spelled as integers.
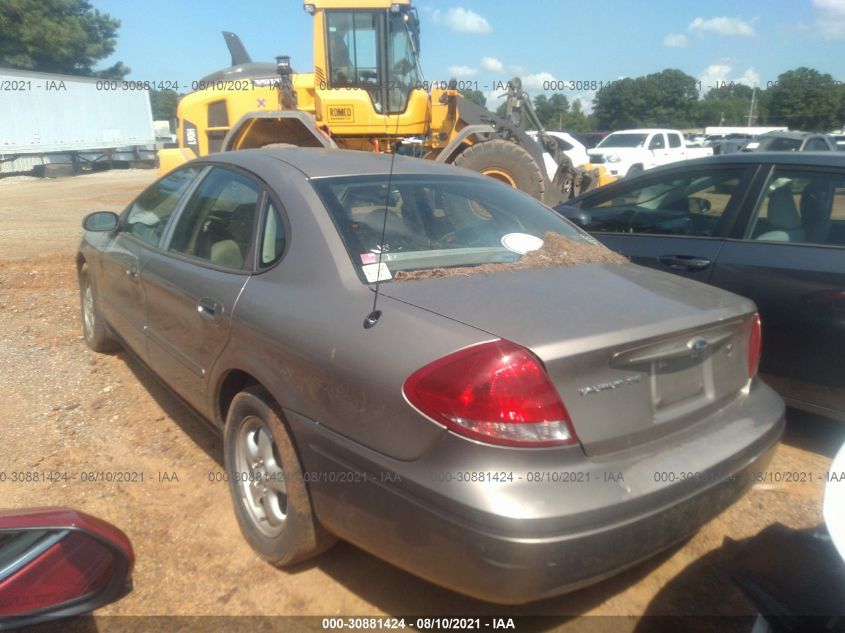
{"x": 267, "y": 484}
{"x": 506, "y": 162}
{"x": 94, "y": 329}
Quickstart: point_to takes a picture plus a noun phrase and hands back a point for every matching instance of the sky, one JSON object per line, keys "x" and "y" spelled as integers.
{"x": 487, "y": 42}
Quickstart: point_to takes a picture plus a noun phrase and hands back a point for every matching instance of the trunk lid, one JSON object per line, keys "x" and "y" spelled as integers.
{"x": 634, "y": 354}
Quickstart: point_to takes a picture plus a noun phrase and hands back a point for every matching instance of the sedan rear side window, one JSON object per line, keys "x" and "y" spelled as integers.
{"x": 148, "y": 216}
{"x": 216, "y": 224}
{"x": 272, "y": 236}
{"x": 816, "y": 145}
{"x": 801, "y": 206}
{"x": 676, "y": 204}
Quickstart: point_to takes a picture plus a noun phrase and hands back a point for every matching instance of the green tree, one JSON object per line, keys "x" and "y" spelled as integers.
{"x": 726, "y": 105}
{"x": 163, "y": 104}
{"x": 476, "y": 96}
{"x": 57, "y": 36}
{"x": 552, "y": 111}
{"x": 805, "y": 99}
{"x": 667, "y": 98}
{"x": 578, "y": 120}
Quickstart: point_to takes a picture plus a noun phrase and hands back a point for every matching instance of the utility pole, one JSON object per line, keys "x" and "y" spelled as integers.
{"x": 751, "y": 109}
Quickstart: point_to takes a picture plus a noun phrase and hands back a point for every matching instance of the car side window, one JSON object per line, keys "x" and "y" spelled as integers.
{"x": 563, "y": 145}
{"x": 801, "y": 206}
{"x": 217, "y": 222}
{"x": 816, "y": 145}
{"x": 675, "y": 140}
{"x": 272, "y": 236}
{"x": 657, "y": 142}
{"x": 690, "y": 203}
{"x": 147, "y": 218}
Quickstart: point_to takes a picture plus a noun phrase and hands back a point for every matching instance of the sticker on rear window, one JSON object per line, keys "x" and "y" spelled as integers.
{"x": 521, "y": 242}
{"x": 369, "y": 258}
{"x": 376, "y": 272}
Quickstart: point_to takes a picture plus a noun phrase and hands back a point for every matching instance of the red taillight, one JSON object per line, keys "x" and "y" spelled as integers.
{"x": 497, "y": 392}
{"x": 755, "y": 345}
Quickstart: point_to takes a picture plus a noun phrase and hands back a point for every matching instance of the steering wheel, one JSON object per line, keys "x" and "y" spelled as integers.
{"x": 469, "y": 236}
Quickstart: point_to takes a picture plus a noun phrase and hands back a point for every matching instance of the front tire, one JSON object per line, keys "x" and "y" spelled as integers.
{"x": 94, "y": 329}
{"x": 267, "y": 484}
{"x": 506, "y": 162}
{"x": 565, "y": 179}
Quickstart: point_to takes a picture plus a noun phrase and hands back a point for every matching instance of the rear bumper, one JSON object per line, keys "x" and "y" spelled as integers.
{"x": 494, "y": 556}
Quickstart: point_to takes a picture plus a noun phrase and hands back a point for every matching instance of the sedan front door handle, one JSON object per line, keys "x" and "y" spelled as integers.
{"x": 132, "y": 272}
{"x": 209, "y": 308}
{"x": 684, "y": 262}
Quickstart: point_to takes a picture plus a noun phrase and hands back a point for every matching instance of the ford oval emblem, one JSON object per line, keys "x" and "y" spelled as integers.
{"x": 698, "y": 344}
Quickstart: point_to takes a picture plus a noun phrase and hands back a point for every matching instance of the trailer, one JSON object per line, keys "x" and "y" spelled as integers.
{"x": 60, "y": 124}
{"x": 751, "y": 130}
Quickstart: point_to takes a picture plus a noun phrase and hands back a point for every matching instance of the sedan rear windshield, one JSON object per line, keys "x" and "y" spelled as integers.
{"x": 436, "y": 221}
{"x": 623, "y": 140}
{"x": 779, "y": 144}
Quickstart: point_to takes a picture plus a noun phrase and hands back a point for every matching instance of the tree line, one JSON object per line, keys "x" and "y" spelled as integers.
{"x": 800, "y": 99}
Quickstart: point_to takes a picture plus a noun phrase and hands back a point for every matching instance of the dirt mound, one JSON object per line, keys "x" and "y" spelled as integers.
{"x": 556, "y": 251}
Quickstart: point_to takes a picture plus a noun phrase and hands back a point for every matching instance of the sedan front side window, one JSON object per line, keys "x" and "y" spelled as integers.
{"x": 678, "y": 204}
{"x": 148, "y": 216}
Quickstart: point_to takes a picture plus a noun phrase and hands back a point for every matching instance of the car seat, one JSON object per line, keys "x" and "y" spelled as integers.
{"x": 816, "y": 209}
{"x": 230, "y": 252}
{"x": 783, "y": 223}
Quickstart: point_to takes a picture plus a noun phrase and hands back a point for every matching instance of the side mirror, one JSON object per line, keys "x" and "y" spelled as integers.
{"x": 57, "y": 562}
{"x": 577, "y": 216}
{"x": 101, "y": 221}
{"x": 698, "y": 205}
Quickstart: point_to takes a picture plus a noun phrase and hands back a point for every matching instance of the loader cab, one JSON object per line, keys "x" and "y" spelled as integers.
{"x": 375, "y": 50}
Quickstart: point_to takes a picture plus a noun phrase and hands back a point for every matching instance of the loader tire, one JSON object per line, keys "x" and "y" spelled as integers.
{"x": 506, "y": 162}
{"x": 566, "y": 179}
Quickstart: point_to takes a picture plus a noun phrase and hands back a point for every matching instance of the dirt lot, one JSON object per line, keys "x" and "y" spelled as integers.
{"x": 68, "y": 410}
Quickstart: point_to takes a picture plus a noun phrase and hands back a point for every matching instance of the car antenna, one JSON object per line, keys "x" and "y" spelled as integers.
{"x": 373, "y": 317}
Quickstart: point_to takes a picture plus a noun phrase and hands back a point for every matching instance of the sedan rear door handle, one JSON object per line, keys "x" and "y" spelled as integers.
{"x": 684, "y": 262}
{"x": 209, "y": 308}
{"x": 132, "y": 272}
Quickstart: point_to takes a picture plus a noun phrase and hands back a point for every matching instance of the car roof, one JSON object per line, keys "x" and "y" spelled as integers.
{"x": 791, "y": 134}
{"x": 823, "y": 159}
{"x": 320, "y": 162}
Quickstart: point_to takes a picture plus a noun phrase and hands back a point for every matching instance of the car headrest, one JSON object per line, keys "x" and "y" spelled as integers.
{"x": 783, "y": 213}
{"x": 240, "y": 224}
{"x": 815, "y": 201}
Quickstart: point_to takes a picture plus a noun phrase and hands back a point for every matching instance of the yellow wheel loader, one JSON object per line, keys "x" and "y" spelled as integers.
{"x": 367, "y": 92}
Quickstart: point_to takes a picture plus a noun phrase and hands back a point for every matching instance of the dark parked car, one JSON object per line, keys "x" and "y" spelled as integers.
{"x": 791, "y": 142}
{"x": 503, "y": 427}
{"x": 769, "y": 226}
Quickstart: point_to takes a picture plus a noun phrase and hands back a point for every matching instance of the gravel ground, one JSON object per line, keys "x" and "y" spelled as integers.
{"x": 69, "y": 412}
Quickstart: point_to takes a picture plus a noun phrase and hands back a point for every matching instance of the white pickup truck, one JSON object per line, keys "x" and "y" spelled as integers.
{"x": 628, "y": 152}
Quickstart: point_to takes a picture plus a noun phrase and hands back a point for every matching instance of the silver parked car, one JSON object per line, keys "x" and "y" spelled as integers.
{"x": 508, "y": 421}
